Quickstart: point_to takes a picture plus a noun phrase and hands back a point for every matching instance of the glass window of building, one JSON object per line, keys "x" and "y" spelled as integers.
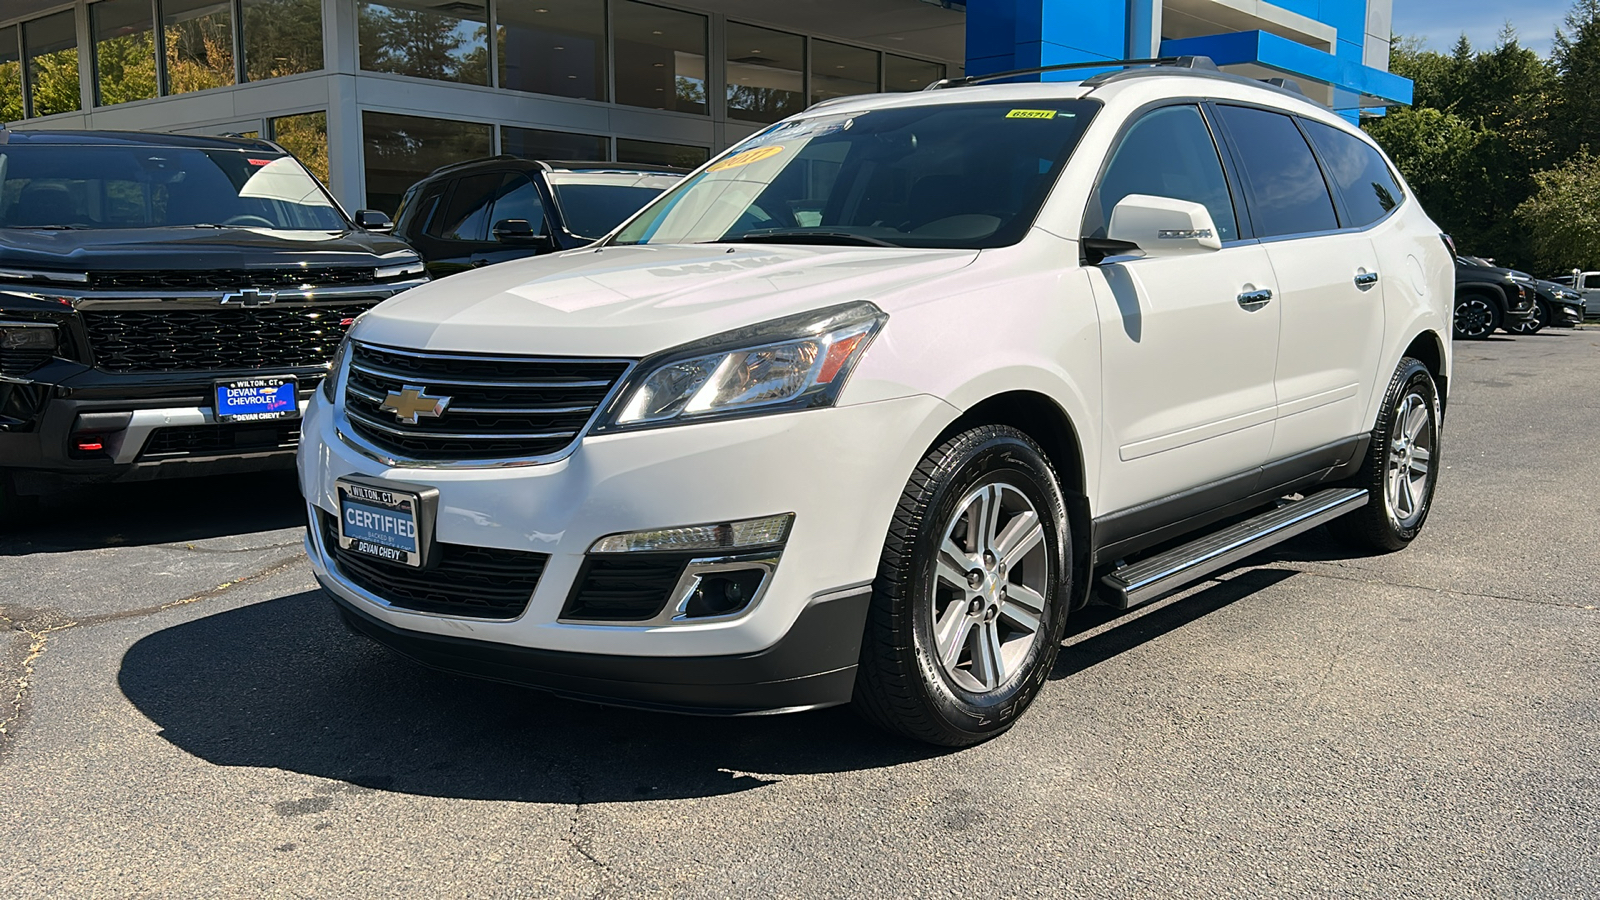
{"x": 533, "y": 143}
{"x": 124, "y": 51}
{"x": 554, "y": 47}
{"x": 51, "y": 45}
{"x": 306, "y": 136}
{"x": 10, "y": 75}
{"x": 655, "y": 153}
{"x": 198, "y": 40}
{"x": 903, "y": 74}
{"x": 281, "y": 37}
{"x": 399, "y": 150}
{"x": 840, "y": 71}
{"x": 661, "y": 57}
{"x": 445, "y": 40}
{"x": 765, "y": 74}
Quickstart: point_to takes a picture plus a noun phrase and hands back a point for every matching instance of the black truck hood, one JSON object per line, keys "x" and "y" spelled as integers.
{"x": 192, "y": 248}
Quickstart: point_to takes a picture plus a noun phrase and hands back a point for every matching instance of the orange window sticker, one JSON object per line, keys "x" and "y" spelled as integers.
{"x": 747, "y": 157}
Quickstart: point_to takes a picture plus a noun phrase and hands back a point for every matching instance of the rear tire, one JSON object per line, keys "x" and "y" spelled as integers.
{"x": 969, "y": 604}
{"x": 1476, "y": 317}
{"x": 1401, "y": 467}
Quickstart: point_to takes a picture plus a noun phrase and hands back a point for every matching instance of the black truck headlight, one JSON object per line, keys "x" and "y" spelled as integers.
{"x": 24, "y": 346}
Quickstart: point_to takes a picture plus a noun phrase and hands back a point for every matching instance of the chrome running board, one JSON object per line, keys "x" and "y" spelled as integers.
{"x": 1150, "y": 578}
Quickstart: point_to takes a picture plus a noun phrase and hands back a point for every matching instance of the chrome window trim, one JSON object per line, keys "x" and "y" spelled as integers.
{"x": 346, "y": 432}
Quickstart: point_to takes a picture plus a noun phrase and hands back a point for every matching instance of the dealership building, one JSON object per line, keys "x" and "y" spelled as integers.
{"x": 374, "y": 94}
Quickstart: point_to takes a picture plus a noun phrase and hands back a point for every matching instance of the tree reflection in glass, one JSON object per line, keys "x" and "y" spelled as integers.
{"x": 408, "y": 37}
{"x": 198, "y": 35}
{"x": 52, "y": 50}
{"x": 10, "y": 75}
{"x": 124, "y": 51}
{"x": 282, "y": 37}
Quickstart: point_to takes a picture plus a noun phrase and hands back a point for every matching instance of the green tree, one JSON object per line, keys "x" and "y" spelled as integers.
{"x": 1576, "y": 56}
{"x": 1563, "y": 215}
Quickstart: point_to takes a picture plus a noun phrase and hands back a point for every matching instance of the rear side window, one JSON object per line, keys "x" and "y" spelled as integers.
{"x": 1364, "y": 180}
{"x": 1168, "y": 153}
{"x": 1287, "y": 192}
{"x": 466, "y": 215}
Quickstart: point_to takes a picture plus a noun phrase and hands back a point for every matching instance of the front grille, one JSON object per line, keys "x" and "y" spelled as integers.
{"x": 220, "y": 440}
{"x": 624, "y": 589}
{"x": 480, "y": 582}
{"x": 186, "y": 339}
{"x": 205, "y": 280}
{"x": 499, "y": 407}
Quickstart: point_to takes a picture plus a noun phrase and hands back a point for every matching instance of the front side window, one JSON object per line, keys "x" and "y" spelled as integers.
{"x": 1168, "y": 153}
{"x": 198, "y": 39}
{"x": 1287, "y": 192}
{"x": 444, "y": 42}
{"x": 466, "y": 214}
{"x": 518, "y": 199}
{"x": 52, "y": 50}
{"x": 124, "y": 51}
{"x": 90, "y": 187}
{"x": 1365, "y": 182}
{"x": 281, "y": 37}
{"x": 948, "y": 175}
{"x": 593, "y": 203}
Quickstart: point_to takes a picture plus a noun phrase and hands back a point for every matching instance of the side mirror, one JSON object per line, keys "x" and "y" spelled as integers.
{"x": 520, "y": 231}
{"x": 1163, "y": 226}
{"x": 372, "y": 220}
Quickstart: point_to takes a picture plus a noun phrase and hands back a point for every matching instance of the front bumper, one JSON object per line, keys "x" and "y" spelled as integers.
{"x": 839, "y": 471}
{"x": 1566, "y": 313}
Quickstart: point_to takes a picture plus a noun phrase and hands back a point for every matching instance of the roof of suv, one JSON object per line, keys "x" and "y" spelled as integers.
{"x": 134, "y": 139}
{"x": 557, "y": 165}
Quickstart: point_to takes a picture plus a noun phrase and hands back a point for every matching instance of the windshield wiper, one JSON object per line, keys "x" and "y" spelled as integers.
{"x": 51, "y": 227}
{"x": 806, "y": 236}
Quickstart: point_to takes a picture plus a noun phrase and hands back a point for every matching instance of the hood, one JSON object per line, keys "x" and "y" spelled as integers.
{"x": 633, "y": 301}
{"x": 190, "y": 248}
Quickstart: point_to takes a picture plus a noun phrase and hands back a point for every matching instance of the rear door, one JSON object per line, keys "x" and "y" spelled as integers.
{"x": 1187, "y": 387}
{"x": 1329, "y": 280}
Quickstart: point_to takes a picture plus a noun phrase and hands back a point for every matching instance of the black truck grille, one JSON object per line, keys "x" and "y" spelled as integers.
{"x": 185, "y": 339}
{"x": 205, "y": 280}
{"x": 226, "y": 439}
{"x": 624, "y": 589}
{"x": 480, "y": 582}
{"x": 499, "y": 407}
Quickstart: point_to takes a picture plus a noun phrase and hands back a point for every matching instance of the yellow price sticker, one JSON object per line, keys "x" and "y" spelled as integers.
{"x": 747, "y": 157}
{"x": 1031, "y": 114}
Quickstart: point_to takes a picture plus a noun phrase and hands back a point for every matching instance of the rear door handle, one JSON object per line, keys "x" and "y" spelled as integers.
{"x": 1255, "y": 299}
{"x": 1366, "y": 279}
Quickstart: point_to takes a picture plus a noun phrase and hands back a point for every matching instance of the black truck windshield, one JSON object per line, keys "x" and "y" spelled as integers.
{"x": 967, "y": 175}
{"x": 115, "y": 186}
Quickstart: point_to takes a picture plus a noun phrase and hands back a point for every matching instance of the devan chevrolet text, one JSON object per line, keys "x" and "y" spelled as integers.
{"x": 864, "y": 408}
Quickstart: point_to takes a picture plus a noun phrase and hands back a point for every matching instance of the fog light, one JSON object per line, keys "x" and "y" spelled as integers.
{"x": 723, "y": 593}
{"x": 769, "y": 531}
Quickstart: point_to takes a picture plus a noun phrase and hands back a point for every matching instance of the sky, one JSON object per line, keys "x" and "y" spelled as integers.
{"x": 1440, "y": 22}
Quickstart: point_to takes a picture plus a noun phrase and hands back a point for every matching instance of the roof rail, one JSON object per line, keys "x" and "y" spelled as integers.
{"x": 1288, "y": 84}
{"x": 1174, "y": 62}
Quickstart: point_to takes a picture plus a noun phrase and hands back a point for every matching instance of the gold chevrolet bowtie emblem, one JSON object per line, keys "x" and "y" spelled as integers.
{"x": 412, "y": 402}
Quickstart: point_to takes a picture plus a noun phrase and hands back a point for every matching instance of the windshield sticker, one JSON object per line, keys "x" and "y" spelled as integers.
{"x": 747, "y": 157}
{"x": 258, "y": 162}
{"x": 1031, "y": 114}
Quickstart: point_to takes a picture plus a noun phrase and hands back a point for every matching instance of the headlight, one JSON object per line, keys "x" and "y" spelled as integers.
{"x": 330, "y": 384}
{"x": 25, "y": 346}
{"x": 799, "y": 362}
{"x": 411, "y": 269}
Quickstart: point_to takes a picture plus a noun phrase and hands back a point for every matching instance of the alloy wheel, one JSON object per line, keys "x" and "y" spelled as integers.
{"x": 1410, "y": 464}
{"x": 989, "y": 587}
{"x": 1474, "y": 318}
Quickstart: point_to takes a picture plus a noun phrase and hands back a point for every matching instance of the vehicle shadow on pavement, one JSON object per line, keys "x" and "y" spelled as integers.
{"x": 282, "y": 684}
{"x": 158, "y": 512}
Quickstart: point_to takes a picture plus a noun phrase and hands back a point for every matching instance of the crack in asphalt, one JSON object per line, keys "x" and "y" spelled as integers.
{"x": 38, "y": 625}
{"x": 1422, "y": 587}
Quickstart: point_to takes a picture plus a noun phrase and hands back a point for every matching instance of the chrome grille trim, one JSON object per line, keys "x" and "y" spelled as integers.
{"x": 363, "y": 384}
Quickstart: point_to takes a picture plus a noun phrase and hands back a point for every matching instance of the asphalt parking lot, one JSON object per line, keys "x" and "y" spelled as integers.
{"x": 183, "y": 716}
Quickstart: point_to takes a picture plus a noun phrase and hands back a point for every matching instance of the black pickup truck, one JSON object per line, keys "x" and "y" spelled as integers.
{"x": 168, "y": 304}
{"x": 1489, "y": 297}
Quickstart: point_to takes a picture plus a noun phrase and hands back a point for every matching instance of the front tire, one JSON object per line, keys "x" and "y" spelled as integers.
{"x": 1401, "y": 467}
{"x": 969, "y": 603}
{"x": 1476, "y": 317}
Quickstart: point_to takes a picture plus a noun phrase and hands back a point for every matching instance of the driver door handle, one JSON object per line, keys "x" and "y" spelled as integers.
{"x": 1255, "y": 299}
{"x": 1366, "y": 279}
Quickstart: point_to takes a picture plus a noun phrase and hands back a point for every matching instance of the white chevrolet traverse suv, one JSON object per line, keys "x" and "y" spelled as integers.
{"x": 863, "y": 409}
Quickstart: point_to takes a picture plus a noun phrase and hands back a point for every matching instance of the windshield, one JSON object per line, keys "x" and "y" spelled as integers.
{"x": 966, "y": 175}
{"x": 45, "y": 186}
{"x": 593, "y": 203}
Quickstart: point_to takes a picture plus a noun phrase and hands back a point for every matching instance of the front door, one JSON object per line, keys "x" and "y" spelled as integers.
{"x": 1188, "y": 351}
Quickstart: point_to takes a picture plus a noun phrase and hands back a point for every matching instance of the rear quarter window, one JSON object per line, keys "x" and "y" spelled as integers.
{"x": 1365, "y": 182}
